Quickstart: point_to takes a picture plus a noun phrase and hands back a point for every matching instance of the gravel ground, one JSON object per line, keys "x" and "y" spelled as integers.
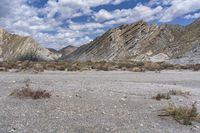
{"x": 96, "y": 102}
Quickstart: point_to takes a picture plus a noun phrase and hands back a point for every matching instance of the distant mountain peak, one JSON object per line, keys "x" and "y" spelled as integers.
{"x": 70, "y": 46}
{"x": 67, "y": 50}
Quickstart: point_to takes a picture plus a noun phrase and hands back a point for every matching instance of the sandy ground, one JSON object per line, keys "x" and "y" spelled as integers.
{"x": 96, "y": 102}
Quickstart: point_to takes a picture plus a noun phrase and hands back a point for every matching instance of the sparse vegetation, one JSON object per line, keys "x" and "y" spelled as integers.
{"x": 179, "y": 93}
{"x": 40, "y": 66}
{"x": 28, "y": 92}
{"x": 182, "y": 114}
{"x": 168, "y": 95}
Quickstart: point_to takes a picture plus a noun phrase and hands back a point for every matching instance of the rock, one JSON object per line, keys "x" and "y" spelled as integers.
{"x": 107, "y": 129}
{"x": 150, "y": 106}
{"x": 13, "y": 70}
{"x": 123, "y": 99}
{"x": 195, "y": 126}
{"x": 103, "y": 113}
{"x": 77, "y": 95}
{"x": 180, "y": 100}
{"x": 159, "y": 57}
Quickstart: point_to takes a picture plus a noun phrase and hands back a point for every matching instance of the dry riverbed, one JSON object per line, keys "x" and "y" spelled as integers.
{"x": 96, "y": 102}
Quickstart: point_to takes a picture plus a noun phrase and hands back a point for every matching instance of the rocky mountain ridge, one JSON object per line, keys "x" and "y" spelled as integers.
{"x": 15, "y": 47}
{"x": 137, "y": 42}
{"x": 142, "y": 42}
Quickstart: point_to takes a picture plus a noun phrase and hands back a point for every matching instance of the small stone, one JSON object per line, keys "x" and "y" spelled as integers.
{"x": 196, "y": 126}
{"x": 107, "y": 129}
{"x": 141, "y": 125}
{"x": 151, "y": 106}
{"x": 78, "y": 96}
{"x": 123, "y": 99}
{"x": 180, "y": 100}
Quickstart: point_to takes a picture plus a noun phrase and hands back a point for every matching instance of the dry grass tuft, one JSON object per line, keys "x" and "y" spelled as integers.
{"x": 182, "y": 114}
{"x": 27, "y": 92}
{"x": 168, "y": 95}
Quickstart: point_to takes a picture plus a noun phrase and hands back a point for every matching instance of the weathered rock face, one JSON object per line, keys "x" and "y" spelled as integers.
{"x": 14, "y": 47}
{"x": 141, "y": 42}
{"x": 67, "y": 50}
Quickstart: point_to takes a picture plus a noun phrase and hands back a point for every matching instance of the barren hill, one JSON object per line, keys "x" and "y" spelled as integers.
{"x": 14, "y": 47}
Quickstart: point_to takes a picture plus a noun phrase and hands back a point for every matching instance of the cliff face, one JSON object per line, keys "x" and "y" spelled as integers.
{"x": 141, "y": 42}
{"x": 14, "y": 47}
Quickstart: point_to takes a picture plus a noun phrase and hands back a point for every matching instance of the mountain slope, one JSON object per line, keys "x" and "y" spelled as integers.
{"x": 14, "y": 47}
{"x": 67, "y": 50}
{"x": 142, "y": 42}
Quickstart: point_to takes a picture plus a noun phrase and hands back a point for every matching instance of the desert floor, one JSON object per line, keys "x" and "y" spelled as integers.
{"x": 96, "y": 102}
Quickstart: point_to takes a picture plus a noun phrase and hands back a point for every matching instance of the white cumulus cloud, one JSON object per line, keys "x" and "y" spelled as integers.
{"x": 53, "y": 26}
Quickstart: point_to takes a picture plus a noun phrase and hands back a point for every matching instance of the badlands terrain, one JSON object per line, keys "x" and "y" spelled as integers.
{"x": 120, "y": 82}
{"x": 96, "y": 101}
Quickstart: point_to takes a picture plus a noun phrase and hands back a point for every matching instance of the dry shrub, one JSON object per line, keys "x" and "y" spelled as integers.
{"x": 160, "y": 96}
{"x": 3, "y": 69}
{"x": 179, "y": 93}
{"x": 168, "y": 95}
{"x": 137, "y": 69}
{"x": 182, "y": 114}
{"x": 195, "y": 67}
{"x": 102, "y": 66}
{"x": 28, "y": 92}
{"x": 61, "y": 67}
{"x": 38, "y": 67}
{"x": 152, "y": 66}
{"x": 26, "y": 65}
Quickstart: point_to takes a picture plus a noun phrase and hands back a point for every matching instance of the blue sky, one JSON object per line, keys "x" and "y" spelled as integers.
{"x": 58, "y": 23}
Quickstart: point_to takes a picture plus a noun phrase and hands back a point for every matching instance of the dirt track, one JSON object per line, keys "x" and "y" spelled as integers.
{"x": 97, "y": 102}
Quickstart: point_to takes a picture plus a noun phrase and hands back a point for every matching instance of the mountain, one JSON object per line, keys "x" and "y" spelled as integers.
{"x": 190, "y": 41}
{"x": 67, "y": 50}
{"x": 15, "y": 47}
{"x": 142, "y": 42}
{"x": 53, "y": 50}
{"x": 64, "y": 51}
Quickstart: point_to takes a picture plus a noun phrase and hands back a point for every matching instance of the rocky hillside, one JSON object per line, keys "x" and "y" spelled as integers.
{"x": 67, "y": 50}
{"x": 142, "y": 42}
{"x": 15, "y": 47}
